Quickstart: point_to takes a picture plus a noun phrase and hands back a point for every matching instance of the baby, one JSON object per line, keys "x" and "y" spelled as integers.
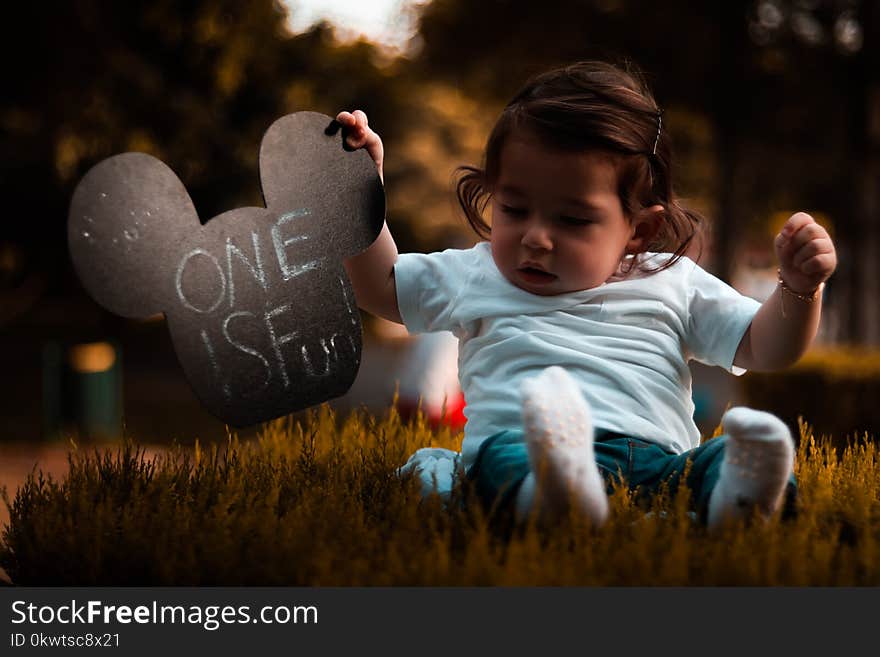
{"x": 578, "y": 313}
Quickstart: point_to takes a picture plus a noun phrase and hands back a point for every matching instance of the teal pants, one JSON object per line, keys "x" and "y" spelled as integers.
{"x": 502, "y": 463}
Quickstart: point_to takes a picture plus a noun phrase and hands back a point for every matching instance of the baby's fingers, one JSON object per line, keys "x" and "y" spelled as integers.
{"x": 806, "y": 231}
{"x": 353, "y": 129}
{"x": 349, "y": 123}
{"x": 358, "y": 134}
{"x": 822, "y": 265}
{"x": 795, "y": 223}
{"x": 361, "y": 119}
{"x": 346, "y": 119}
{"x": 813, "y": 248}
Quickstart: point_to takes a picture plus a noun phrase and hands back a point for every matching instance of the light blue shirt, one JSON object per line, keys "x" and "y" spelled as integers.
{"x": 627, "y": 342}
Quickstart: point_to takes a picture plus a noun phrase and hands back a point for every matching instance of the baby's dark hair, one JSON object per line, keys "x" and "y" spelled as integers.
{"x": 592, "y": 105}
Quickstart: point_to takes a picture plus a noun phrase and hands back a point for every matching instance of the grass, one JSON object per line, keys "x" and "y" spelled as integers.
{"x": 318, "y": 502}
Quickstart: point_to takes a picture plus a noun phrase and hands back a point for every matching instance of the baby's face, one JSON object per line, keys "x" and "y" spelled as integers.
{"x": 557, "y": 222}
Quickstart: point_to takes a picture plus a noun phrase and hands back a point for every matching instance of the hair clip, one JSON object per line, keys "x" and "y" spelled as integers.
{"x": 659, "y": 126}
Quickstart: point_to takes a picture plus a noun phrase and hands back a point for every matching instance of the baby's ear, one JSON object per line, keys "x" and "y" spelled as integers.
{"x": 646, "y": 224}
{"x": 128, "y": 216}
{"x": 304, "y": 165}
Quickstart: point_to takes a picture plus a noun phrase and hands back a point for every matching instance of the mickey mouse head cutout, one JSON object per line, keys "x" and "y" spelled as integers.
{"x": 260, "y": 310}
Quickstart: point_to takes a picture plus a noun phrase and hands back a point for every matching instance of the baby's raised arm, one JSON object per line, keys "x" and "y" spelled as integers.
{"x": 785, "y": 325}
{"x": 372, "y": 272}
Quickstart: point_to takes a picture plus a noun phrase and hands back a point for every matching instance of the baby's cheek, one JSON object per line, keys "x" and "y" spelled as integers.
{"x": 501, "y": 252}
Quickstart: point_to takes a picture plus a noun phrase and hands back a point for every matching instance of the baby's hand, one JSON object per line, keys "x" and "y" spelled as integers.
{"x": 359, "y": 135}
{"x": 806, "y": 253}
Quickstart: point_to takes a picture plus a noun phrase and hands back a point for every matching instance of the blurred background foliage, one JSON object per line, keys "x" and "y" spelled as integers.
{"x": 774, "y": 106}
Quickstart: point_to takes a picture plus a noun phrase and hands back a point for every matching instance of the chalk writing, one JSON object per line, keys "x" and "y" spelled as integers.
{"x": 281, "y": 245}
{"x": 278, "y": 342}
{"x": 178, "y": 281}
{"x": 351, "y": 316}
{"x": 257, "y": 271}
{"x": 215, "y": 366}
{"x": 245, "y": 348}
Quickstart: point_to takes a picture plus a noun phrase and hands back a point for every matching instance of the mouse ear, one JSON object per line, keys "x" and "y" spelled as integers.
{"x": 305, "y": 166}
{"x": 128, "y": 216}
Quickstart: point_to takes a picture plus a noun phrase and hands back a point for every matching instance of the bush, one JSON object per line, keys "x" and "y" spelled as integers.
{"x": 835, "y": 390}
{"x": 320, "y": 503}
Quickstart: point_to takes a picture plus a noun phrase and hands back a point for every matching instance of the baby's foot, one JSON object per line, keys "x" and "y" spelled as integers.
{"x": 559, "y": 438}
{"x": 758, "y": 459}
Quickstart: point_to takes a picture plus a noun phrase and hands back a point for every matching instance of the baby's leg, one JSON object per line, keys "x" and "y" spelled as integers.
{"x": 559, "y": 438}
{"x": 758, "y": 459}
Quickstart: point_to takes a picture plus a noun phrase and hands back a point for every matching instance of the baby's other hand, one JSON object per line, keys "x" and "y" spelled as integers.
{"x": 806, "y": 253}
{"x": 358, "y": 134}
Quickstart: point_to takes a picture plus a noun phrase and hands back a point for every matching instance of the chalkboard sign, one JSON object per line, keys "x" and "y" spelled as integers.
{"x": 260, "y": 310}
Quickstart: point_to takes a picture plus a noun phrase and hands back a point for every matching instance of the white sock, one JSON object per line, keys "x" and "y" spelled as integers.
{"x": 758, "y": 459}
{"x": 559, "y": 437}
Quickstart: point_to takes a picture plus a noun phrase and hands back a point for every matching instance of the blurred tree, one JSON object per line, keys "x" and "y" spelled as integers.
{"x": 194, "y": 83}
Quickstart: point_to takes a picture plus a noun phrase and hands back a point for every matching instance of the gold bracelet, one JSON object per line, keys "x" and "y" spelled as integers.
{"x": 806, "y": 298}
{"x": 812, "y": 296}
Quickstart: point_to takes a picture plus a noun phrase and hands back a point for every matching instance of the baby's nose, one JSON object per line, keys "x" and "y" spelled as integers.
{"x": 537, "y": 236}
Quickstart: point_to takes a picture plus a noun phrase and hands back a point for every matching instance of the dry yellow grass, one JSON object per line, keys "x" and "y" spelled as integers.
{"x": 318, "y": 502}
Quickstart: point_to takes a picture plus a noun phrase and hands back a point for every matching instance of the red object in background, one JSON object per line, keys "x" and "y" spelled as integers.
{"x": 453, "y": 417}
{"x": 430, "y": 377}
{"x": 455, "y": 412}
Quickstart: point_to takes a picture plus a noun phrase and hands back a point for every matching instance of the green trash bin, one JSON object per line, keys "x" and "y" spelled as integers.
{"x": 82, "y": 390}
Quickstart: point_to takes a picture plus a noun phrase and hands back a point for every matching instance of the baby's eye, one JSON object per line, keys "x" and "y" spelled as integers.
{"x": 513, "y": 210}
{"x": 576, "y": 221}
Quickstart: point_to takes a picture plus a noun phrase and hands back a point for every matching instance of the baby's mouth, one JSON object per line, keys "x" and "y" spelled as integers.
{"x": 536, "y": 276}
